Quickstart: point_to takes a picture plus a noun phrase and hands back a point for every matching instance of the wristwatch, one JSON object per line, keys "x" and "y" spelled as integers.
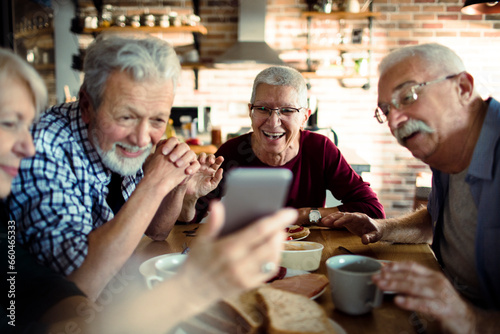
{"x": 314, "y": 216}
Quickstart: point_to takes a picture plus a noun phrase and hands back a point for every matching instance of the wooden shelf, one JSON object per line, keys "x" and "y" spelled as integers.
{"x": 34, "y": 33}
{"x": 189, "y": 29}
{"x": 339, "y": 15}
{"x": 198, "y": 66}
{"x": 45, "y": 67}
{"x": 314, "y": 75}
{"x": 339, "y": 47}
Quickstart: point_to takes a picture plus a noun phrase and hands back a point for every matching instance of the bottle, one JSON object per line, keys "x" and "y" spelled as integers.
{"x": 216, "y": 136}
{"x": 170, "y": 130}
{"x": 208, "y": 122}
{"x": 194, "y": 128}
{"x": 186, "y": 126}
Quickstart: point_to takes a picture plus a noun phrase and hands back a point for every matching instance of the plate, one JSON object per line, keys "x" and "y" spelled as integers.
{"x": 300, "y": 238}
{"x": 337, "y": 327}
{"x": 147, "y": 268}
{"x": 318, "y": 294}
{"x": 295, "y": 272}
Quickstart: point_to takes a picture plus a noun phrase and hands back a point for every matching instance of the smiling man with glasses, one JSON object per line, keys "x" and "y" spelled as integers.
{"x": 404, "y": 96}
{"x": 278, "y": 112}
{"x": 433, "y": 109}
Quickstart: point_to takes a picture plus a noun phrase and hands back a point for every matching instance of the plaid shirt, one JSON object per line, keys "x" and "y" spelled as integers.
{"x": 60, "y": 194}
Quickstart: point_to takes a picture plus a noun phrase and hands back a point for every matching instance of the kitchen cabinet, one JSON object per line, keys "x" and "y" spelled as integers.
{"x": 339, "y": 44}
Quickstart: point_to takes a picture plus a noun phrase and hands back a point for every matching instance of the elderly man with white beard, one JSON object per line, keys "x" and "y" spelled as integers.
{"x": 434, "y": 110}
{"x": 92, "y": 190}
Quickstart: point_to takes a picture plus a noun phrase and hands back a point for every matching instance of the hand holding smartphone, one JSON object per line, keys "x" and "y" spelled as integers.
{"x": 252, "y": 193}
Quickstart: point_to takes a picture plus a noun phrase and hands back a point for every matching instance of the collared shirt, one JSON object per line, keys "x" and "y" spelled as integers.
{"x": 483, "y": 177}
{"x": 60, "y": 194}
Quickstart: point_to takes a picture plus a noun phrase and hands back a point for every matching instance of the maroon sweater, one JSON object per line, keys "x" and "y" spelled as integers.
{"x": 319, "y": 166}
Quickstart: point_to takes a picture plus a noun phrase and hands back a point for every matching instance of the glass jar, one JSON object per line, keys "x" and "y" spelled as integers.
{"x": 175, "y": 20}
{"x": 121, "y": 21}
{"x": 194, "y": 20}
{"x": 149, "y": 20}
{"x": 164, "y": 21}
{"x": 106, "y": 17}
{"x": 91, "y": 22}
{"x": 135, "y": 21}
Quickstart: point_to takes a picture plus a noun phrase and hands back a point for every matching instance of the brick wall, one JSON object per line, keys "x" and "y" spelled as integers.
{"x": 349, "y": 111}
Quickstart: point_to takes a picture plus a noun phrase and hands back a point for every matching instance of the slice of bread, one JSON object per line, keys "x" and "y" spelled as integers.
{"x": 215, "y": 316}
{"x": 243, "y": 309}
{"x": 196, "y": 326}
{"x": 291, "y": 313}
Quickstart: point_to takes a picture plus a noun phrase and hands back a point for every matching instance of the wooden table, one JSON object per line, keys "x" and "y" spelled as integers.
{"x": 386, "y": 319}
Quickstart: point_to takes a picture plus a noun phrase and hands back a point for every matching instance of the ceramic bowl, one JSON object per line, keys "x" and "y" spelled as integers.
{"x": 302, "y": 255}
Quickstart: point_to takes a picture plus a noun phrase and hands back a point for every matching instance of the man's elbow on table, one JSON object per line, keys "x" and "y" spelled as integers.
{"x": 157, "y": 234}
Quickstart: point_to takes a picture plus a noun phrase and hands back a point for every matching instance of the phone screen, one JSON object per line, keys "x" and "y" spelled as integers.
{"x": 252, "y": 193}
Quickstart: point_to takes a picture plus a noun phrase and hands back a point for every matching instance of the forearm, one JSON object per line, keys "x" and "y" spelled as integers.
{"x": 415, "y": 227}
{"x": 141, "y": 315}
{"x": 188, "y": 210}
{"x": 110, "y": 245}
{"x": 167, "y": 214}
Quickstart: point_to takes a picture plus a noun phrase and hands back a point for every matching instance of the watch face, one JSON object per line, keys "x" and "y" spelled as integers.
{"x": 314, "y": 216}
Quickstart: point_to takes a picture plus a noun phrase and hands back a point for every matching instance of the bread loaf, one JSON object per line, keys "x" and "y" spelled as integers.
{"x": 291, "y": 313}
{"x": 216, "y": 317}
{"x": 267, "y": 310}
{"x": 195, "y": 325}
{"x": 243, "y": 309}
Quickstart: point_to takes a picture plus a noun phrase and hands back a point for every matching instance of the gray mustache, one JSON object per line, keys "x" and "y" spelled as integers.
{"x": 410, "y": 127}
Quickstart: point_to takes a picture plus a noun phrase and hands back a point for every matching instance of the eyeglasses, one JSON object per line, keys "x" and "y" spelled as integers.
{"x": 404, "y": 97}
{"x": 265, "y": 113}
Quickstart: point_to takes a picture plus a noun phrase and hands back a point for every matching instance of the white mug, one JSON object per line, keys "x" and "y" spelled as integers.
{"x": 166, "y": 267}
{"x": 351, "y": 285}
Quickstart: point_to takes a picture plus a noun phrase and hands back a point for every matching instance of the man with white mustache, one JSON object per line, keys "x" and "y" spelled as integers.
{"x": 434, "y": 110}
{"x": 410, "y": 127}
{"x": 92, "y": 190}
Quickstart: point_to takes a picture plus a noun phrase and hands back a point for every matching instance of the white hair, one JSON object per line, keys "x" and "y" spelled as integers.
{"x": 282, "y": 76}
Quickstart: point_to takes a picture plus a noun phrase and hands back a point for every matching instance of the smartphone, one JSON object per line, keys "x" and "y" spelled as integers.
{"x": 251, "y": 193}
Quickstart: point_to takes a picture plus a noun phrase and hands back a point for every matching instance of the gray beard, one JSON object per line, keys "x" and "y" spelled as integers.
{"x": 116, "y": 163}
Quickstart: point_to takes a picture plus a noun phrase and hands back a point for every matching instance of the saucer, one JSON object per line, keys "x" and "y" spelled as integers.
{"x": 147, "y": 268}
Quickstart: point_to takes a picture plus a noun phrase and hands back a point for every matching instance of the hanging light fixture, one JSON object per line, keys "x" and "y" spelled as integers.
{"x": 478, "y": 7}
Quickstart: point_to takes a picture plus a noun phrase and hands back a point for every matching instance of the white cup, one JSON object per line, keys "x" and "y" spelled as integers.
{"x": 351, "y": 285}
{"x": 166, "y": 267}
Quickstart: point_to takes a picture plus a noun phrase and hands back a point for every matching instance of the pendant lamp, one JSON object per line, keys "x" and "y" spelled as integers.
{"x": 477, "y": 7}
